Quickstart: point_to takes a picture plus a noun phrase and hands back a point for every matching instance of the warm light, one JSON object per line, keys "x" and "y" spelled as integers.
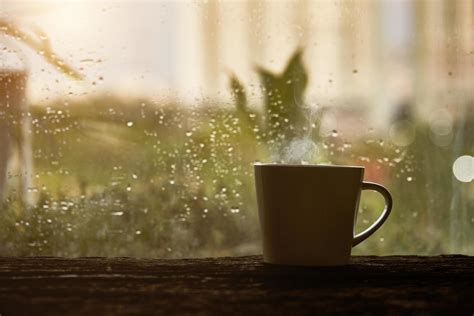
{"x": 463, "y": 168}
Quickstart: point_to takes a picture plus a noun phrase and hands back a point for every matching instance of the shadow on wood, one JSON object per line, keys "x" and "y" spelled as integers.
{"x": 110, "y": 286}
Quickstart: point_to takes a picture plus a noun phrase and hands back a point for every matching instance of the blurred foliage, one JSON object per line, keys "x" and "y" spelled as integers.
{"x": 118, "y": 177}
{"x": 37, "y": 40}
{"x": 284, "y": 112}
{"x": 284, "y": 99}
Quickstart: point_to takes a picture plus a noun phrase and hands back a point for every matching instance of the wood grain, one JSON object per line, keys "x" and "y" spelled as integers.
{"x": 239, "y": 285}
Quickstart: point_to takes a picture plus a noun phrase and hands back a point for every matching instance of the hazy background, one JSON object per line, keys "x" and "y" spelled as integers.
{"x": 389, "y": 86}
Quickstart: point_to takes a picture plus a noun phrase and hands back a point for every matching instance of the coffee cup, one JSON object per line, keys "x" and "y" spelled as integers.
{"x": 308, "y": 212}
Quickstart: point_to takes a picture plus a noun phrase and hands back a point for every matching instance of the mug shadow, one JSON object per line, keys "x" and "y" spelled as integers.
{"x": 276, "y": 276}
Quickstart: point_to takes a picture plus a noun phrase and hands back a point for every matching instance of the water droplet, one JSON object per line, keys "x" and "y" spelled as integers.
{"x": 189, "y": 134}
{"x": 409, "y": 179}
{"x": 397, "y": 160}
{"x": 334, "y": 133}
{"x": 117, "y": 213}
{"x": 138, "y": 232}
{"x": 234, "y": 210}
{"x": 129, "y": 124}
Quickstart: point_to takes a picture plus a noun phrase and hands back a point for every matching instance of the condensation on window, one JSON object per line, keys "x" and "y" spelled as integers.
{"x": 130, "y": 128}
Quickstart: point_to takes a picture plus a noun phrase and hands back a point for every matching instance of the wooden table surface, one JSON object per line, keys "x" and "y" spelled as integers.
{"x": 239, "y": 285}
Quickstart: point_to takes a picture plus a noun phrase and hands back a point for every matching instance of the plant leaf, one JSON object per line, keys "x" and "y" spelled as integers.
{"x": 40, "y": 44}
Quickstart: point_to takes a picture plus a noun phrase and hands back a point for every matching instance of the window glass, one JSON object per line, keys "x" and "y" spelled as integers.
{"x": 130, "y": 128}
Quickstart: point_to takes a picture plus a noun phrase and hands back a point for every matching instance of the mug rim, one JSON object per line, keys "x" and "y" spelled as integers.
{"x": 270, "y": 164}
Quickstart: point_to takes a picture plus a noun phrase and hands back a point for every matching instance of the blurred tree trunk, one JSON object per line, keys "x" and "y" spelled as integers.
{"x": 5, "y": 148}
{"x": 14, "y": 126}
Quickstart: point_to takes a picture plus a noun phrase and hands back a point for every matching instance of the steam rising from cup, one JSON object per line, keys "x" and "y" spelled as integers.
{"x": 299, "y": 151}
{"x": 302, "y": 149}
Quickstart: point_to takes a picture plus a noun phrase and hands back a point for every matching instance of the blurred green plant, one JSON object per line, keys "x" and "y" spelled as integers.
{"x": 119, "y": 177}
{"x": 285, "y": 114}
{"x": 284, "y": 99}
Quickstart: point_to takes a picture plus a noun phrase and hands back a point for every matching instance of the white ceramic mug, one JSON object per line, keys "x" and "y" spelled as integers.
{"x": 308, "y": 212}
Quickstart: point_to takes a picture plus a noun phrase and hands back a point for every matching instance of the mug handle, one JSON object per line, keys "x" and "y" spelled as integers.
{"x": 386, "y": 211}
